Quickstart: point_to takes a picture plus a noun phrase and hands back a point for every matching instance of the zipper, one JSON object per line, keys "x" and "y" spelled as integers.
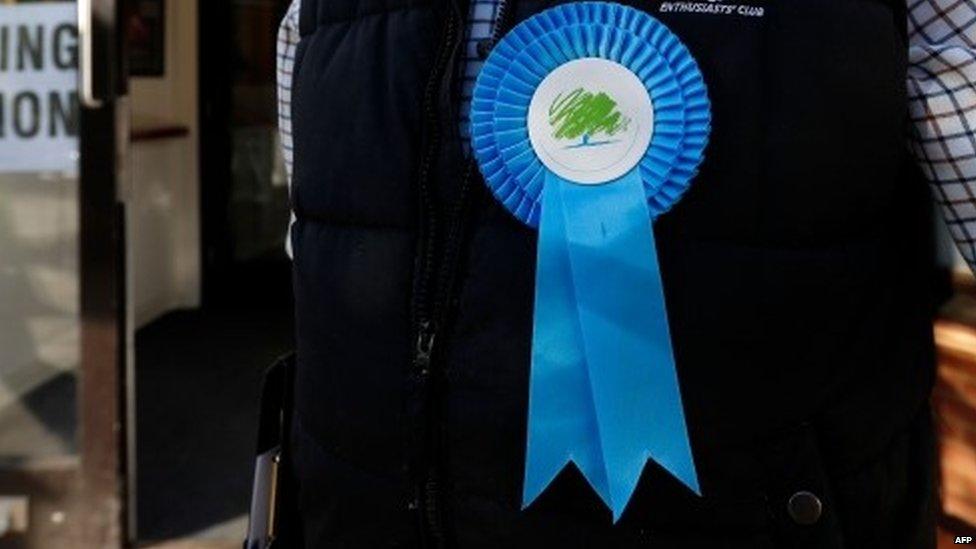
{"x": 429, "y": 314}
{"x": 432, "y": 531}
{"x": 428, "y": 213}
{"x": 432, "y": 516}
{"x": 424, "y": 348}
{"x": 425, "y": 329}
{"x": 501, "y": 21}
{"x": 424, "y": 311}
{"x": 454, "y": 237}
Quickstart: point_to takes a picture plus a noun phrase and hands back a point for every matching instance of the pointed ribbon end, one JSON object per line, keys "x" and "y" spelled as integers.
{"x": 532, "y": 489}
{"x": 684, "y": 470}
{"x": 540, "y": 471}
{"x": 623, "y": 483}
{"x": 618, "y": 511}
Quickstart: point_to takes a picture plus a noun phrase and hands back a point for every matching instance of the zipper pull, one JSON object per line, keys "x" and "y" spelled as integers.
{"x": 425, "y": 346}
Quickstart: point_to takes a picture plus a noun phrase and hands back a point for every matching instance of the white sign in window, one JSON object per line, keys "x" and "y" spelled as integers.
{"x": 38, "y": 87}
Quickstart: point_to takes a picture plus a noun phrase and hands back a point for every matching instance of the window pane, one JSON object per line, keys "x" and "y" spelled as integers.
{"x": 39, "y": 321}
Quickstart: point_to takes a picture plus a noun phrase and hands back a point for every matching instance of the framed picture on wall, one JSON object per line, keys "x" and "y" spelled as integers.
{"x": 145, "y": 25}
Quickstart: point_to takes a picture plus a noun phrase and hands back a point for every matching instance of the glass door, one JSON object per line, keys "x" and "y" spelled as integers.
{"x": 61, "y": 308}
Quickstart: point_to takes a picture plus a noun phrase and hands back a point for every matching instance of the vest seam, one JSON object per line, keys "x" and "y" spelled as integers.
{"x": 345, "y": 224}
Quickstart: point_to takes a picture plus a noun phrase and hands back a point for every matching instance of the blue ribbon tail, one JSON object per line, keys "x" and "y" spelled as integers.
{"x": 562, "y": 424}
{"x": 624, "y": 326}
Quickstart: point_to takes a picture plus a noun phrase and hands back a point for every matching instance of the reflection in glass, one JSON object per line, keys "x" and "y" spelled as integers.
{"x": 39, "y": 300}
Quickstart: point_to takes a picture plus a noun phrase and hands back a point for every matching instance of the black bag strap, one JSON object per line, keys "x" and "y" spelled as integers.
{"x": 276, "y": 401}
{"x": 274, "y": 523}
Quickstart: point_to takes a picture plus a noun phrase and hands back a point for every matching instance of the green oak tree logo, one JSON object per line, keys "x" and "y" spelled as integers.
{"x": 584, "y": 115}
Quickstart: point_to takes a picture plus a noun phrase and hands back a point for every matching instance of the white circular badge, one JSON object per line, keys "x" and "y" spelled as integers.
{"x": 590, "y": 120}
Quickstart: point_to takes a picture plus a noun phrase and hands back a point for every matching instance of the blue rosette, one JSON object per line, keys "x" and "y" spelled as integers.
{"x": 603, "y": 390}
{"x": 533, "y": 49}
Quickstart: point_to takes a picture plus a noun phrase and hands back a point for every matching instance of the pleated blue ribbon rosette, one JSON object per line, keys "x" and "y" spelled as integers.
{"x": 588, "y": 121}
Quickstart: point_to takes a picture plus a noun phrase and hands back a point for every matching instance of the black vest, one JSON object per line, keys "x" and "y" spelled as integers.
{"x": 795, "y": 271}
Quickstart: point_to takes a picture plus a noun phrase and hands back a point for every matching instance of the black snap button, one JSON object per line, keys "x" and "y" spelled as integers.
{"x": 804, "y": 508}
{"x": 484, "y": 48}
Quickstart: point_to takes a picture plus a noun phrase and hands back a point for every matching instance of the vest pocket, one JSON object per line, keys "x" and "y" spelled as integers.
{"x": 765, "y": 493}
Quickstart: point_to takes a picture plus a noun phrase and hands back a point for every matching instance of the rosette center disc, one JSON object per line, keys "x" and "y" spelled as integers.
{"x": 590, "y": 120}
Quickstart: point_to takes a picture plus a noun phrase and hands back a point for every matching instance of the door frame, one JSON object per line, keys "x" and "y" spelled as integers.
{"x": 102, "y": 392}
{"x": 78, "y": 501}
